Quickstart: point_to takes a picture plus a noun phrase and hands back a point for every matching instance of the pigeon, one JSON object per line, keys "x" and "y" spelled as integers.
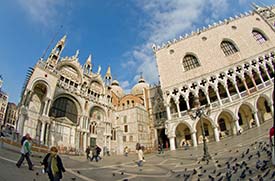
{"x": 204, "y": 171}
{"x": 122, "y": 173}
{"x": 37, "y": 173}
{"x": 114, "y": 174}
{"x": 211, "y": 178}
{"x": 200, "y": 175}
{"x": 250, "y": 179}
{"x": 273, "y": 174}
{"x": 200, "y": 167}
{"x": 216, "y": 154}
{"x": 220, "y": 179}
{"x": 125, "y": 179}
{"x": 195, "y": 171}
{"x": 214, "y": 171}
{"x": 249, "y": 158}
{"x": 243, "y": 175}
{"x": 247, "y": 151}
{"x": 250, "y": 172}
{"x": 219, "y": 165}
{"x": 73, "y": 178}
{"x": 217, "y": 161}
{"x": 266, "y": 173}
{"x": 219, "y": 174}
{"x": 178, "y": 175}
{"x": 78, "y": 171}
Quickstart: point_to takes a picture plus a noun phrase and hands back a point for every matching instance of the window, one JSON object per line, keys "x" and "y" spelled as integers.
{"x": 113, "y": 134}
{"x": 228, "y": 48}
{"x": 190, "y": 62}
{"x": 259, "y": 37}
{"x": 124, "y": 138}
{"x": 125, "y": 119}
{"x": 64, "y": 107}
{"x": 125, "y": 128}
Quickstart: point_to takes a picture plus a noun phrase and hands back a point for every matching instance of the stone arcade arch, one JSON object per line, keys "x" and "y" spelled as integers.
{"x": 226, "y": 124}
{"x": 208, "y": 129}
{"x": 264, "y": 111}
{"x": 245, "y": 115}
{"x": 183, "y": 134}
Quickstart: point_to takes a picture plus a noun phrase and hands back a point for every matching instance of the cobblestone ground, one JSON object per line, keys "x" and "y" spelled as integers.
{"x": 243, "y": 157}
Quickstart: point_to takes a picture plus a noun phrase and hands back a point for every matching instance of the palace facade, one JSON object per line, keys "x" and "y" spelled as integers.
{"x": 229, "y": 66}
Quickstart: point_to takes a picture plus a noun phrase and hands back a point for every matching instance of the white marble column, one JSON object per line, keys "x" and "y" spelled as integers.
{"x": 271, "y": 108}
{"x": 228, "y": 93}
{"x": 178, "y": 108}
{"x": 237, "y": 89}
{"x": 42, "y": 134}
{"x": 246, "y": 87}
{"x": 218, "y": 95}
{"x": 237, "y": 126}
{"x": 194, "y": 139}
{"x": 172, "y": 143}
{"x": 187, "y": 103}
{"x": 216, "y": 134}
{"x": 48, "y": 106}
{"x": 256, "y": 118}
{"x": 168, "y": 111}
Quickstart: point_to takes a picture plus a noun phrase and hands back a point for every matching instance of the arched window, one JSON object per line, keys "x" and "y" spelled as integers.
{"x": 259, "y": 37}
{"x": 228, "y": 48}
{"x": 190, "y": 62}
{"x": 64, "y": 107}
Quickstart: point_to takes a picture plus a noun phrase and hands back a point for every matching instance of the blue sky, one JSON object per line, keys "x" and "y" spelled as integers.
{"x": 119, "y": 33}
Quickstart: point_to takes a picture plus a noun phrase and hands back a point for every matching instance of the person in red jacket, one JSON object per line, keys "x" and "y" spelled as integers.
{"x": 271, "y": 133}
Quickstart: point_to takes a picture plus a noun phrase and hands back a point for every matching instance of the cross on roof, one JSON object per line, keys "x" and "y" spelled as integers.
{"x": 222, "y": 75}
{"x": 230, "y": 72}
{"x": 175, "y": 91}
{"x": 184, "y": 88}
{"x": 246, "y": 66}
{"x": 212, "y": 79}
{"x": 239, "y": 69}
{"x": 254, "y": 63}
{"x": 194, "y": 85}
{"x": 203, "y": 82}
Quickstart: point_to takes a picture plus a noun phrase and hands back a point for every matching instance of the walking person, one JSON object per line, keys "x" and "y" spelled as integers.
{"x": 88, "y": 151}
{"x": 53, "y": 165}
{"x": 126, "y": 150}
{"x": 94, "y": 153}
{"x": 25, "y": 153}
{"x": 2, "y": 137}
{"x": 98, "y": 150}
{"x": 140, "y": 157}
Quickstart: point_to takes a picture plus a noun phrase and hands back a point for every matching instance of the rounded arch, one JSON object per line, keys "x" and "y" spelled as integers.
{"x": 65, "y": 105}
{"x": 259, "y": 34}
{"x": 208, "y": 125}
{"x": 226, "y": 124}
{"x": 263, "y": 106}
{"x": 97, "y": 113}
{"x": 228, "y": 47}
{"x": 43, "y": 81}
{"x": 245, "y": 115}
{"x": 71, "y": 68}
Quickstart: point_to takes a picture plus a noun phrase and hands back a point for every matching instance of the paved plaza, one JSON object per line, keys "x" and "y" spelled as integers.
{"x": 243, "y": 157}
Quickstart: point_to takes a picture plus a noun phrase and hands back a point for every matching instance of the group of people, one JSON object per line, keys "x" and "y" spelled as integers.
{"x": 95, "y": 153}
{"x": 52, "y": 162}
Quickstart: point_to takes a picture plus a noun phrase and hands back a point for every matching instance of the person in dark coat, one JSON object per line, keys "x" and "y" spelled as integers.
{"x": 88, "y": 151}
{"x": 53, "y": 165}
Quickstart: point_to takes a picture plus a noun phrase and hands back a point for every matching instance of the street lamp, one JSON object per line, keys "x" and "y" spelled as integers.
{"x": 200, "y": 112}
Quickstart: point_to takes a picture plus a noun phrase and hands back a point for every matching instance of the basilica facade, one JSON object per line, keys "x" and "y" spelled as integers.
{"x": 69, "y": 105}
{"x": 228, "y": 65}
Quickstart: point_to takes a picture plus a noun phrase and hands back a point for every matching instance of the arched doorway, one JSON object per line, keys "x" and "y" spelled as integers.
{"x": 226, "y": 124}
{"x": 246, "y": 119}
{"x": 264, "y": 111}
{"x": 208, "y": 130}
{"x": 183, "y": 135}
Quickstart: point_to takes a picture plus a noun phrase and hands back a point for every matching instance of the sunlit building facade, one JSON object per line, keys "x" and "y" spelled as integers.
{"x": 229, "y": 66}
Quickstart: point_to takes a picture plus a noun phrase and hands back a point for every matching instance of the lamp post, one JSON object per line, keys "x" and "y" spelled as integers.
{"x": 200, "y": 112}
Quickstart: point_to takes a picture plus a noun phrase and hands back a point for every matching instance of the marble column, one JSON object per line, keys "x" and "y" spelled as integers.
{"x": 187, "y": 103}
{"x": 237, "y": 89}
{"x": 178, "y": 108}
{"x": 84, "y": 141}
{"x": 228, "y": 93}
{"x": 172, "y": 143}
{"x": 246, "y": 87}
{"x": 216, "y": 134}
{"x": 253, "y": 81}
{"x": 194, "y": 139}
{"x": 271, "y": 108}
{"x": 237, "y": 126}
{"x": 218, "y": 95}
{"x": 168, "y": 111}
{"x": 256, "y": 118}
{"x": 42, "y": 134}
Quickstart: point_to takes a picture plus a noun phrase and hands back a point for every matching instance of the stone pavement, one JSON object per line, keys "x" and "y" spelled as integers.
{"x": 234, "y": 157}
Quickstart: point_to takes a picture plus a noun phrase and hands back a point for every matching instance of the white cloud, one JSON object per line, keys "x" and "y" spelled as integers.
{"x": 167, "y": 20}
{"x": 45, "y": 12}
{"x": 124, "y": 84}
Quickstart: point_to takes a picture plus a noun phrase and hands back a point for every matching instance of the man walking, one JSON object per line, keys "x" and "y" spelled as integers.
{"x": 25, "y": 153}
{"x": 88, "y": 151}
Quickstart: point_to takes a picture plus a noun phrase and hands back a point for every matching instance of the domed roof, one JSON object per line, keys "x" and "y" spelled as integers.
{"x": 138, "y": 88}
{"x": 117, "y": 89}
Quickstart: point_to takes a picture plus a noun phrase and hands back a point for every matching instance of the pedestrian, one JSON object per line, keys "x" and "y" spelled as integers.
{"x": 160, "y": 148}
{"x": 94, "y": 153}
{"x": 140, "y": 156}
{"x": 88, "y": 151}
{"x": 2, "y": 137}
{"x": 53, "y": 165}
{"x": 126, "y": 150}
{"x": 24, "y": 138}
{"x": 98, "y": 150}
{"x": 25, "y": 153}
{"x": 137, "y": 147}
{"x": 271, "y": 141}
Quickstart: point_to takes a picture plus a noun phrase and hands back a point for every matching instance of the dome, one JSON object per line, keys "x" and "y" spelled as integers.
{"x": 117, "y": 90}
{"x": 138, "y": 88}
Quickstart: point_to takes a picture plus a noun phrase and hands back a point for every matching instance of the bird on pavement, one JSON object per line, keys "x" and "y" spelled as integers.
{"x": 78, "y": 171}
